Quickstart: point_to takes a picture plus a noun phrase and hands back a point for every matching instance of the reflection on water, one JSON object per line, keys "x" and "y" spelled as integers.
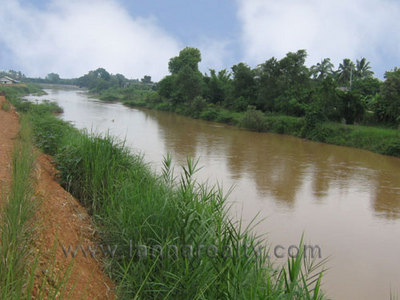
{"x": 279, "y": 165}
{"x": 346, "y": 200}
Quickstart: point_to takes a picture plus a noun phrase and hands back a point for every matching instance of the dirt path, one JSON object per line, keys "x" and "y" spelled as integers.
{"x": 9, "y": 128}
{"x": 61, "y": 221}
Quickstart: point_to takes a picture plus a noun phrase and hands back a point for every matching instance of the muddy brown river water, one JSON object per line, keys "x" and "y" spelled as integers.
{"x": 346, "y": 201}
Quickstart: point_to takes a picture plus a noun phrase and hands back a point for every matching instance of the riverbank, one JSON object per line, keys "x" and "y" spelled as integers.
{"x": 137, "y": 210}
{"x": 38, "y": 218}
{"x": 376, "y": 139}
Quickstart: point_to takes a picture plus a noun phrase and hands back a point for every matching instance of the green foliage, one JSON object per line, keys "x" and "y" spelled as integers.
{"x": 53, "y": 78}
{"x": 367, "y": 87}
{"x": 283, "y": 80}
{"x": 322, "y": 70}
{"x": 379, "y": 140}
{"x": 345, "y": 72}
{"x": 146, "y": 79}
{"x": 188, "y": 85}
{"x": 313, "y": 118}
{"x": 5, "y": 106}
{"x": 351, "y": 107}
{"x": 185, "y": 82}
{"x": 14, "y": 92}
{"x": 209, "y": 114}
{"x": 388, "y": 106}
{"x": 363, "y": 69}
{"x": 253, "y": 119}
{"x": 18, "y": 263}
{"x": 217, "y": 87}
{"x": 17, "y": 227}
{"x": 166, "y": 86}
{"x": 325, "y": 98}
{"x": 99, "y": 80}
{"x": 48, "y": 132}
{"x": 243, "y": 83}
{"x": 41, "y": 108}
{"x": 188, "y": 57}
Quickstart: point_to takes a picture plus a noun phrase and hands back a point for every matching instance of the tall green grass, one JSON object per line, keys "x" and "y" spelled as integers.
{"x": 132, "y": 206}
{"x": 19, "y": 264}
{"x": 5, "y": 106}
{"x": 16, "y": 222}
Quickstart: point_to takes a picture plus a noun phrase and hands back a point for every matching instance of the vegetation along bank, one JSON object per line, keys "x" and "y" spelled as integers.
{"x": 347, "y": 106}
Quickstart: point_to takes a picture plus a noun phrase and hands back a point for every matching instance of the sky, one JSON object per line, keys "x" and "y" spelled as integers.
{"x": 137, "y": 38}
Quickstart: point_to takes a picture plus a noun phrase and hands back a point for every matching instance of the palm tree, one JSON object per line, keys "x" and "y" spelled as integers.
{"x": 323, "y": 69}
{"x": 345, "y": 72}
{"x": 363, "y": 69}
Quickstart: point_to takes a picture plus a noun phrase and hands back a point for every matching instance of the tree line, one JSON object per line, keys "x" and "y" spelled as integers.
{"x": 287, "y": 86}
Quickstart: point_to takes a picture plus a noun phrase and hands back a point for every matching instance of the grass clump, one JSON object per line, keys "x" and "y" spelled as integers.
{"x": 380, "y": 140}
{"x": 5, "y": 106}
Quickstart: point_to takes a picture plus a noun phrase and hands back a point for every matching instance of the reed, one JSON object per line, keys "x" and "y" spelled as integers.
{"x": 18, "y": 262}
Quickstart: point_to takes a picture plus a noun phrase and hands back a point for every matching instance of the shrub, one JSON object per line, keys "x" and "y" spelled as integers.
{"x": 254, "y": 120}
{"x": 210, "y": 114}
{"x": 225, "y": 116}
{"x": 48, "y": 132}
{"x": 393, "y": 149}
{"x": 313, "y": 118}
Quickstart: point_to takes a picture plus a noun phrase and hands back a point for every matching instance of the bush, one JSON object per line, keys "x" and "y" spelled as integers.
{"x": 225, "y": 116}
{"x": 49, "y": 132}
{"x": 197, "y": 106}
{"x": 393, "y": 149}
{"x": 313, "y": 118}
{"x": 210, "y": 114}
{"x": 254, "y": 120}
{"x": 164, "y": 106}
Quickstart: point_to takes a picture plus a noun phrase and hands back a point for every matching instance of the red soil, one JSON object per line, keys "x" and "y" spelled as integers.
{"x": 61, "y": 220}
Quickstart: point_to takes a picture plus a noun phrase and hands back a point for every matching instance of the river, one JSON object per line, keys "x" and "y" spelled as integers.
{"x": 346, "y": 201}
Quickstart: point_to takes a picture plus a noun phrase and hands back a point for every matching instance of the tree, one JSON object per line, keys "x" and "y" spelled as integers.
{"x": 323, "y": 69}
{"x": 351, "y": 108}
{"x": 243, "y": 83}
{"x": 166, "y": 86}
{"x": 345, "y": 72}
{"x": 367, "y": 86}
{"x": 53, "y": 78}
{"x": 284, "y": 84}
{"x": 326, "y": 100}
{"x": 146, "y": 79}
{"x": 217, "y": 86}
{"x": 185, "y": 81}
{"x": 120, "y": 79}
{"x": 187, "y": 57}
{"x": 188, "y": 84}
{"x": 388, "y": 106}
{"x": 363, "y": 69}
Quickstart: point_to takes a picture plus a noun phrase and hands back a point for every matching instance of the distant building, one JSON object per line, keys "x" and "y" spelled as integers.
{"x": 8, "y": 80}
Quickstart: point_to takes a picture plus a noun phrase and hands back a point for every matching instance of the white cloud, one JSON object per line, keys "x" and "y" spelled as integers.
{"x": 214, "y": 53}
{"x": 328, "y": 28}
{"x": 73, "y": 37}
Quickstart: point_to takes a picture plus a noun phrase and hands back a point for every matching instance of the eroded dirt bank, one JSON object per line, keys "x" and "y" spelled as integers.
{"x": 61, "y": 221}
